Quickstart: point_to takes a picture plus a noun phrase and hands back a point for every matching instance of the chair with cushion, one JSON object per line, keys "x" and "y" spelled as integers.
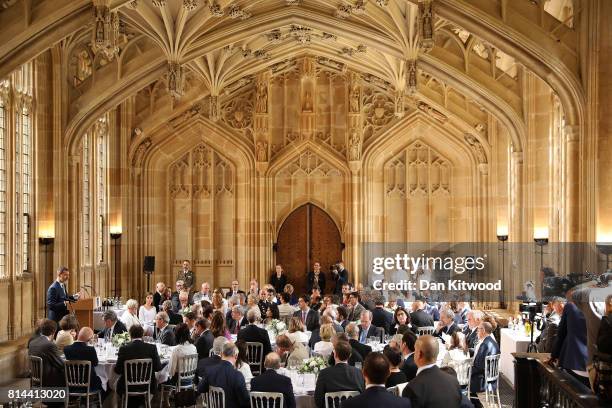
{"x": 255, "y": 356}
{"x": 266, "y": 399}
{"x": 78, "y": 377}
{"x": 137, "y": 375}
{"x": 334, "y": 399}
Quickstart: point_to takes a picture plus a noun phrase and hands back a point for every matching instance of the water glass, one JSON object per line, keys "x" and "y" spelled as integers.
{"x": 358, "y": 365}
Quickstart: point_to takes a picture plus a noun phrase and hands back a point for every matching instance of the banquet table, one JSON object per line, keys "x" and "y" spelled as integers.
{"x": 512, "y": 341}
{"x": 303, "y": 387}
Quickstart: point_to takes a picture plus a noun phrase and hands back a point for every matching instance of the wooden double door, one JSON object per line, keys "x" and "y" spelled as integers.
{"x": 308, "y": 235}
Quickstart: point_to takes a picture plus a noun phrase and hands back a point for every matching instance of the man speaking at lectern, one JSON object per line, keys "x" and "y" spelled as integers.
{"x": 57, "y": 295}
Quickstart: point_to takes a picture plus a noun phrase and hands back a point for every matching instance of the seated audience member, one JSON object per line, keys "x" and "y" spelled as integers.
{"x": 309, "y": 317}
{"x": 234, "y": 290}
{"x": 419, "y": 317}
{"x": 485, "y": 348}
{"x": 409, "y": 367}
{"x": 217, "y": 325}
{"x": 342, "y": 316}
{"x": 315, "y": 336}
{"x": 43, "y": 346}
{"x": 396, "y": 376}
{"x": 339, "y": 377}
{"x": 465, "y": 401}
{"x": 163, "y": 331}
{"x": 112, "y": 325}
{"x": 457, "y": 349}
{"x": 159, "y": 296}
{"x": 325, "y": 347}
{"x": 81, "y": 350}
{"x": 203, "y": 338}
{"x": 242, "y": 361}
{"x": 292, "y": 353}
{"x": 494, "y": 326}
{"x": 474, "y": 318}
{"x": 174, "y": 318}
{"x": 225, "y": 376}
{"x": 147, "y": 312}
{"x": 130, "y": 316}
{"x": 333, "y": 314}
{"x": 184, "y": 301}
{"x": 400, "y": 318}
{"x": 461, "y": 310}
{"x": 207, "y": 362}
{"x": 354, "y": 307}
{"x": 189, "y": 319}
{"x": 285, "y": 309}
{"x": 380, "y": 317}
{"x": 366, "y": 328}
{"x": 269, "y": 306}
{"x": 136, "y": 349}
{"x": 296, "y": 331}
{"x": 184, "y": 347}
{"x": 352, "y": 332}
{"x": 237, "y": 321}
{"x": 376, "y": 373}
{"x": 604, "y": 336}
{"x": 355, "y": 356}
{"x": 252, "y": 333}
{"x": 203, "y": 294}
{"x": 293, "y": 300}
{"x": 271, "y": 381}
{"x": 432, "y": 308}
{"x": 446, "y": 325}
{"x": 175, "y": 297}
{"x": 69, "y": 326}
{"x": 431, "y": 387}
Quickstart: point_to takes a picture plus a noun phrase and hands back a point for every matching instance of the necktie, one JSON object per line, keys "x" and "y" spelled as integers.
{"x": 363, "y": 335}
{"x": 64, "y": 289}
{"x": 303, "y": 317}
{"x": 237, "y": 327}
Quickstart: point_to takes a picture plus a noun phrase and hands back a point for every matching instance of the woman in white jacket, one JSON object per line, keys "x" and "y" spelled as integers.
{"x": 130, "y": 317}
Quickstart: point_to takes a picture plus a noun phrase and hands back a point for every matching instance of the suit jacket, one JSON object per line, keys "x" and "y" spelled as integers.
{"x": 230, "y": 293}
{"x": 604, "y": 336}
{"x": 134, "y": 350}
{"x": 81, "y": 351}
{"x": 158, "y": 299}
{"x": 355, "y": 312}
{"x": 382, "y": 318}
{"x": 433, "y": 388}
{"x": 420, "y": 318}
{"x": 56, "y": 296}
{"x": 362, "y": 349}
{"x": 310, "y": 282}
{"x": 315, "y": 337}
{"x": 340, "y": 377}
{"x": 433, "y": 311}
{"x": 571, "y": 345}
{"x": 395, "y": 378}
{"x": 409, "y": 368}
{"x": 203, "y": 365}
{"x": 204, "y": 344}
{"x": 376, "y": 397}
{"x": 165, "y": 336}
{"x": 53, "y": 366}
{"x": 118, "y": 329}
{"x": 447, "y": 330}
{"x": 278, "y": 283}
{"x": 471, "y": 338}
{"x": 488, "y": 347}
{"x": 174, "y": 318}
{"x": 256, "y": 334}
{"x": 312, "y": 319}
{"x": 461, "y": 316}
{"x": 341, "y": 278}
{"x": 233, "y": 323}
{"x": 372, "y": 331}
{"x": 271, "y": 381}
{"x": 225, "y": 375}
{"x": 354, "y": 358}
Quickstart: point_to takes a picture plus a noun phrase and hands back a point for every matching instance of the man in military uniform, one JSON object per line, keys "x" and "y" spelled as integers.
{"x": 186, "y": 275}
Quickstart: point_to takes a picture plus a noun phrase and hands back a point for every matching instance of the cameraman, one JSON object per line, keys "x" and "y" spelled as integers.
{"x": 550, "y": 324}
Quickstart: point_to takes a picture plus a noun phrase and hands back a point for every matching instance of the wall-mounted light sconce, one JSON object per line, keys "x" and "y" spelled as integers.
{"x": 115, "y": 234}
{"x": 502, "y": 237}
{"x": 540, "y": 237}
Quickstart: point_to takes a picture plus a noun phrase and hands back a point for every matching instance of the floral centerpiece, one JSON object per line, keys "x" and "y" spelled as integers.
{"x": 185, "y": 310}
{"x": 119, "y": 340}
{"x": 276, "y": 327}
{"x": 313, "y": 365}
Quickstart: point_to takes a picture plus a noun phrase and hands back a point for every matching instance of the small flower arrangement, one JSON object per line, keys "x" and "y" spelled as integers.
{"x": 185, "y": 310}
{"x": 276, "y": 327}
{"x": 313, "y": 365}
{"x": 119, "y": 340}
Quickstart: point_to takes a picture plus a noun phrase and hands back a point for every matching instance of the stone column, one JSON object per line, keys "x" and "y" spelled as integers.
{"x": 354, "y": 143}
{"x": 574, "y": 255}
{"x": 516, "y": 254}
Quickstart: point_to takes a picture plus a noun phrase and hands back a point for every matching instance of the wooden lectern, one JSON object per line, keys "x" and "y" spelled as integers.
{"x": 83, "y": 311}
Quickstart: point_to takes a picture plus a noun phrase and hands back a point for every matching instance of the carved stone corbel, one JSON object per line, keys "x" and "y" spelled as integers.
{"x": 426, "y": 25}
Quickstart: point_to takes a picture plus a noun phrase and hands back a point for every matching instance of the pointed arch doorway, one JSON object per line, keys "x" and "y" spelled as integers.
{"x": 308, "y": 235}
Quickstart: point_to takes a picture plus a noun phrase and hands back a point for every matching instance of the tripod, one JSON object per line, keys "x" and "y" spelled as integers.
{"x": 532, "y": 348}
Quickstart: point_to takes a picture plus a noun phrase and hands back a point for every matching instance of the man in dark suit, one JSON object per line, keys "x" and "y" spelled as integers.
{"x": 339, "y": 377}
{"x": 205, "y": 363}
{"x": 278, "y": 280}
{"x": 268, "y": 304}
{"x": 176, "y": 303}
{"x": 352, "y": 332}
{"x": 340, "y": 276}
{"x": 409, "y": 367}
{"x": 470, "y": 330}
{"x": 57, "y": 295}
{"x": 271, "y": 381}
{"x": 235, "y": 290}
{"x": 380, "y": 317}
{"x": 160, "y": 295}
{"x": 431, "y": 387}
{"x": 112, "y": 325}
{"x": 446, "y": 325}
{"x": 309, "y": 317}
{"x": 44, "y": 347}
{"x": 376, "y": 371}
{"x": 134, "y": 350}
{"x": 80, "y": 350}
{"x": 355, "y": 356}
{"x": 419, "y": 317}
{"x": 570, "y": 348}
{"x": 355, "y": 307}
{"x": 366, "y": 328}
{"x": 224, "y": 375}
{"x": 485, "y": 348}
{"x": 173, "y": 318}
{"x": 342, "y": 318}
{"x": 203, "y": 338}
{"x": 238, "y": 321}
{"x": 315, "y": 278}
{"x": 163, "y": 332}
{"x": 252, "y": 333}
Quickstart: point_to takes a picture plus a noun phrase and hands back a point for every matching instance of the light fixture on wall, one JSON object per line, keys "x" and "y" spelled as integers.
{"x": 540, "y": 237}
{"x": 45, "y": 239}
{"x": 502, "y": 236}
{"x": 115, "y": 234}
{"x": 604, "y": 245}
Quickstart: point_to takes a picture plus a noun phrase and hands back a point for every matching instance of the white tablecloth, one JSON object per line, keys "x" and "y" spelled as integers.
{"x": 512, "y": 341}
